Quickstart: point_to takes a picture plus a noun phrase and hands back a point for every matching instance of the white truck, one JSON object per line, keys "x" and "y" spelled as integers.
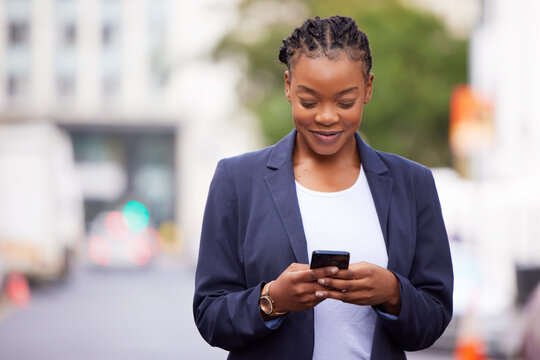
{"x": 41, "y": 204}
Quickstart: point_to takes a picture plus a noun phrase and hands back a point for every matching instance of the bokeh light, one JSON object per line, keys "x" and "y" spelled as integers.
{"x": 115, "y": 226}
{"x": 154, "y": 238}
{"x": 136, "y": 216}
{"x": 100, "y": 250}
{"x": 171, "y": 236}
{"x": 139, "y": 251}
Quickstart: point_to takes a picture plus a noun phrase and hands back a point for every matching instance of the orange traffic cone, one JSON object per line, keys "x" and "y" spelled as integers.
{"x": 17, "y": 289}
{"x": 470, "y": 344}
{"x": 470, "y": 349}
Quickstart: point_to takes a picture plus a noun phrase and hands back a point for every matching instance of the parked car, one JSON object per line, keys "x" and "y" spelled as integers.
{"x": 123, "y": 238}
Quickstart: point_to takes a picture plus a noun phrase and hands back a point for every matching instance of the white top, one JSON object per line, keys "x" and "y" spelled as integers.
{"x": 344, "y": 220}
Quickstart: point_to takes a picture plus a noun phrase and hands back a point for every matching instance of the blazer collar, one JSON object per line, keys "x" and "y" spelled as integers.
{"x": 282, "y": 153}
{"x": 380, "y": 184}
{"x": 283, "y": 190}
{"x": 369, "y": 158}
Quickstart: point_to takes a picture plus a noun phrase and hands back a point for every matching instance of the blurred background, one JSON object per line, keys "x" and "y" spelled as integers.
{"x": 114, "y": 113}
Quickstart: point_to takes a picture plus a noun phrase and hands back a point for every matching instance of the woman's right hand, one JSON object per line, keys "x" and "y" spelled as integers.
{"x": 295, "y": 288}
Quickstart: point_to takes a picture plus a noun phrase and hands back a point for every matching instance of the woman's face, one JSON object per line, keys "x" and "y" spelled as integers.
{"x": 327, "y": 98}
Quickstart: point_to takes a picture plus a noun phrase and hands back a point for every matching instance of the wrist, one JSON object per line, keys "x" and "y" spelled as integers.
{"x": 393, "y": 304}
{"x": 267, "y": 304}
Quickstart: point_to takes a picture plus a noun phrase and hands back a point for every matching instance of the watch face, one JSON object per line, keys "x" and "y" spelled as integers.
{"x": 266, "y": 305}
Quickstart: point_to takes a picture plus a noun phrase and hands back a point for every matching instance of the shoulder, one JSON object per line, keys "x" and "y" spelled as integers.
{"x": 396, "y": 163}
{"x": 414, "y": 176}
{"x": 390, "y": 165}
{"x": 236, "y": 175}
{"x": 246, "y": 162}
{"x": 261, "y": 161}
{"x": 244, "y": 170}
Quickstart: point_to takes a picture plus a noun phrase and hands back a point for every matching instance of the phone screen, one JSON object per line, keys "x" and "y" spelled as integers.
{"x": 324, "y": 258}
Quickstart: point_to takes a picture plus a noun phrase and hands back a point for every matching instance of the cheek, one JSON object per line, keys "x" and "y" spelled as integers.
{"x": 300, "y": 114}
{"x": 353, "y": 118}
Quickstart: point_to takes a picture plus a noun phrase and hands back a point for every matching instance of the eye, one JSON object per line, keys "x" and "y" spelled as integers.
{"x": 346, "y": 105}
{"x": 308, "y": 104}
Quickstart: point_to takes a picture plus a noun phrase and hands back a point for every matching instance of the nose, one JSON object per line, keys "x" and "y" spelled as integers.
{"x": 327, "y": 116}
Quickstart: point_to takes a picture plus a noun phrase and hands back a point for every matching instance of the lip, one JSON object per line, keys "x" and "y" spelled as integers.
{"x": 326, "y": 137}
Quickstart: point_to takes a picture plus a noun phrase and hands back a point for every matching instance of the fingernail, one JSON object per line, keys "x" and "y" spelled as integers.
{"x": 334, "y": 270}
{"x": 319, "y": 294}
{"x": 321, "y": 281}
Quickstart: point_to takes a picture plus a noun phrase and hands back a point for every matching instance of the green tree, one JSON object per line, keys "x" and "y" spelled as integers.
{"x": 415, "y": 61}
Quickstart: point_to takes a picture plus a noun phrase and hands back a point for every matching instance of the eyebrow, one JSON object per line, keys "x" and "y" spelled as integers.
{"x": 310, "y": 90}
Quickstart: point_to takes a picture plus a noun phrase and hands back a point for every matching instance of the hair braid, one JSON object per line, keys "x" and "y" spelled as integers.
{"x": 316, "y": 37}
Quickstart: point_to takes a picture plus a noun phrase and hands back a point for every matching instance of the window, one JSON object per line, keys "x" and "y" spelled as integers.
{"x": 17, "y": 71}
{"x": 17, "y": 85}
{"x": 17, "y": 55}
{"x": 157, "y": 25}
{"x": 111, "y": 58}
{"x": 68, "y": 34}
{"x": 111, "y": 15}
{"x": 18, "y": 33}
{"x": 66, "y": 18}
{"x": 18, "y": 14}
{"x": 109, "y": 34}
{"x": 145, "y": 158}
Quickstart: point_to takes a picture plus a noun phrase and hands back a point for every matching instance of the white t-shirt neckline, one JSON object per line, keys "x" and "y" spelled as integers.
{"x": 343, "y": 192}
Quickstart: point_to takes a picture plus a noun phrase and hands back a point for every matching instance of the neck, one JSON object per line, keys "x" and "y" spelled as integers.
{"x": 326, "y": 173}
{"x": 346, "y": 157}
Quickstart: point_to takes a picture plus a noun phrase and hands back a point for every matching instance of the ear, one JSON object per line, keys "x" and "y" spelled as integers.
{"x": 369, "y": 89}
{"x": 287, "y": 85}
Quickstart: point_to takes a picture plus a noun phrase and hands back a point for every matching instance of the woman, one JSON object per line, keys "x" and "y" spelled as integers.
{"x": 320, "y": 188}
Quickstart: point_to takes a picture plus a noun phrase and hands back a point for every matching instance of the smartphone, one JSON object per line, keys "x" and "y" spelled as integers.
{"x": 324, "y": 258}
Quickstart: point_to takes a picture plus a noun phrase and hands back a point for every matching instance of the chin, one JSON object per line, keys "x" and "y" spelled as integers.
{"x": 321, "y": 149}
{"x": 325, "y": 151}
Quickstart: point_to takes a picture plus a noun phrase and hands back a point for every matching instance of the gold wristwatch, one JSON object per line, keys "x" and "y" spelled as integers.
{"x": 266, "y": 303}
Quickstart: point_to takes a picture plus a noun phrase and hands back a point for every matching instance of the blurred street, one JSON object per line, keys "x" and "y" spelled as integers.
{"x": 108, "y": 314}
{"x": 105, "y": 314}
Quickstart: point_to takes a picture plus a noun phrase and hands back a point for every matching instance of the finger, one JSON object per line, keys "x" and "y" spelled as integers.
{"x": 325, "y": 271}
{"x": 357, "y": 271}
{"x": 306, "y": 289}
{"x": 342, "y": 296}
{"x": 347, "y": 274}
{"x": 320, "y": 295}
{"x": 315, "y": 274}
{"x": 353, "y": 297}
{"x": 339, "y": 284}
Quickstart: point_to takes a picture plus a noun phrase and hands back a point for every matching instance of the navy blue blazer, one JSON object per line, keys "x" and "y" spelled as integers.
{"x": 252, "y": 231}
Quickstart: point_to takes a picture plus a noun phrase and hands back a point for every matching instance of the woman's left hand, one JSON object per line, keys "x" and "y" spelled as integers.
{"x": 364, "y": 284}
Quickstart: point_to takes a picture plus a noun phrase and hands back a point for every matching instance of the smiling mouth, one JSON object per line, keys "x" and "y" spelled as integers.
{"x": 326, "y": 136}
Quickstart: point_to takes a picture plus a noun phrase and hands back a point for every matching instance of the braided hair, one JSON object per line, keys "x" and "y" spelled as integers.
{"x": 316, "y": 37}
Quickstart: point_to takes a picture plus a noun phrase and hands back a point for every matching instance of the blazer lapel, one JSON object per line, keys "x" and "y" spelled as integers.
{"x": 282, "y": 187}
{"x": 380, "y": 186}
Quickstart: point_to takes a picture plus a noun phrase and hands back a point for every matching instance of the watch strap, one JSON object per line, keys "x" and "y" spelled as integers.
{"x": 266, "y": 294}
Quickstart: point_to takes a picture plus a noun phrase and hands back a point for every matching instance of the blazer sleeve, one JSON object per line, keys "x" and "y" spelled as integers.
{"x": 426, "y": 292}
{"x": 226, "y": 311}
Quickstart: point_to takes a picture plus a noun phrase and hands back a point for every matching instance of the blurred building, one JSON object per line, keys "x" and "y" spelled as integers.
{"x": 494, "y": 214}
{"x": 129, "y": 80}
{"x": 505, "y": 50}
{"x": 504, "y": 56}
